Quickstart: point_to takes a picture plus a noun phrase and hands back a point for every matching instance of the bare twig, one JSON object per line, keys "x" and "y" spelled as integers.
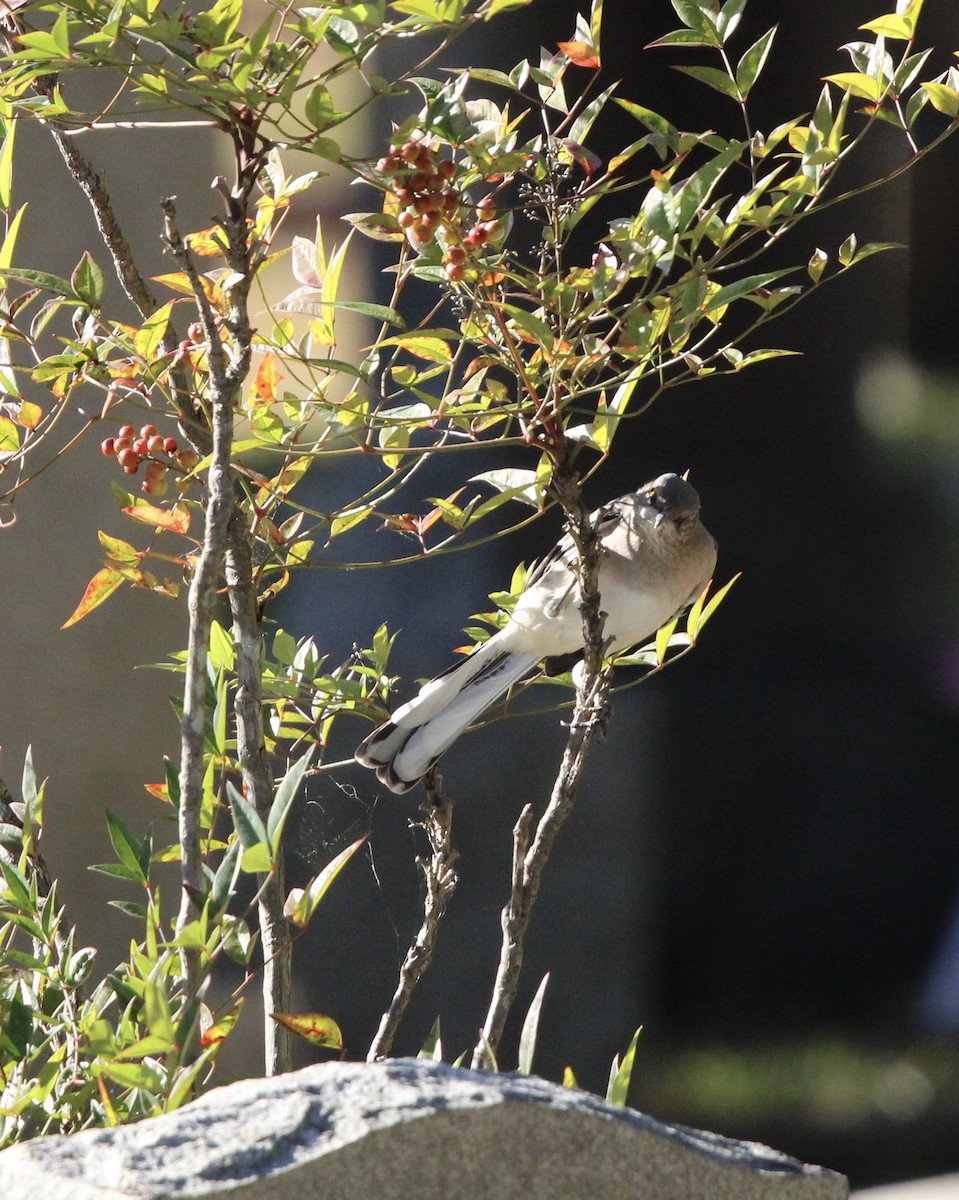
{"x": 530, "y": 855}
{"x": 439, "y": 875}
{"x": 202, "y": 603}
{"x": 128, "y": 273}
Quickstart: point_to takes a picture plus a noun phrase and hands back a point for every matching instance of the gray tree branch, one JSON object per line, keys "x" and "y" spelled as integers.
{"x": 532, "y": 853}
{"x": 440, "y": 878}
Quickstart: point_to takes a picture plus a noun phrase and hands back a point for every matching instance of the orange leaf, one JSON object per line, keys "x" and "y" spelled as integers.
{"x": 317, "y": 1029}
{"x": 267, "y": 377}
{"x": 176, "y": 519}
{"x": 103, "y": 584}
{"x": 580, "y": 54}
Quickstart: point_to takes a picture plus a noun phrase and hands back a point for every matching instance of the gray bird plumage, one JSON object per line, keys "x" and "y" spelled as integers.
{"x": 656, "y": 558}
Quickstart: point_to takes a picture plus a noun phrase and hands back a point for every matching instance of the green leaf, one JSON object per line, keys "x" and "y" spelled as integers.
{"x": 317, "y": 1029}
{"x": 516, "y": 483}
{"x": 651, "y": 120}
{"x": 127, "y": 845}
{"x": 662, "y": 639}
{"x": 943, "y": 98}
{"x": 858, "y": 84}
{"x": 319, "y": 109}
{"x": 718, "y": 80}
{"x": 249, "y": 828}
{"x": 696, "y": 15}
{"x": 224, "y": 881}
{"x": 623, "y": 1073}
{"x": 87, "y": 281}
{"x": 742, "y": 287}
{"x": 428, "y": 346}
{"x": 713, "y": 605}
{"x": 302, "y": 903}
{"x": 753, "y": 61}
{"x": 41, "y": 279}
{"x": 286, "y": 793}
{"x": 817, "y": 264}
{"x": 897, "y": 26}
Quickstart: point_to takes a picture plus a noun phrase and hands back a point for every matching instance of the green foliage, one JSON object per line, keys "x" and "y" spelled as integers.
{"x": 529, "y": 346}
{"x": 75, "y": 1051}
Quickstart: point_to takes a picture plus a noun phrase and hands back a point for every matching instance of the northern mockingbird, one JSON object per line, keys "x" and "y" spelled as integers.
{"x": 655, "y": 560}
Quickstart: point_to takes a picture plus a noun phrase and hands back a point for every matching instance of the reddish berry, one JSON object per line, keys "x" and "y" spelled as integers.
{"x": 155, "y": 444}
{"x": 423, "y": 205}
{"x": 188, "y": 459}
{"x": 406, "y": 218}
{"x": 129, "y": 460}
{"x": 194, "y": 332}
{"x": 420, "y": 181}
{"x": 454, "y": 271}
{"x": 155, "y": 483}
{"x": 141, "y": 446}
{"x": 170, "y": 445}
{"x": 108, "y": 447}
{"x": 422, "y": 230}
{"x": 446, "y": 169}
{"x": 148, "y": 431}
{"x": 450, "y": 199}
{"x": 477, "y": 236}
{"x": 404, "y": 196}
{"x": 494, "y": 229}
{"x": 456, "y": 254}
{"x": 127, "y": 431}
{"x": 485, "y": 206}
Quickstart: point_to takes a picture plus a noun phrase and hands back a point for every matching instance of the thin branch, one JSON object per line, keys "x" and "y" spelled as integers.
{"x": 530, "y": 855}
{"x": 440, "y": 877}
{"x": 202, "y": 606}
{"x": 258, "y": 787}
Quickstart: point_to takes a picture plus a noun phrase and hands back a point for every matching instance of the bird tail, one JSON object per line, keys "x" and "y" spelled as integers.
{"x": 404, "y": 749}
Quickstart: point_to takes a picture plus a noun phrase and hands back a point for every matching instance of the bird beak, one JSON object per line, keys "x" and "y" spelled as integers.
{"x": 685, "y": 475}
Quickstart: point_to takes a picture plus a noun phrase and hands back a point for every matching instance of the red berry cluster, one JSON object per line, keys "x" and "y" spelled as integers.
{"x": 428, "y": 201}
{"x": 131, "y": 448}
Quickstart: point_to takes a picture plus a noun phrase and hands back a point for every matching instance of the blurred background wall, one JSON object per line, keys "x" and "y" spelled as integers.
{"x": 762, "y": 868}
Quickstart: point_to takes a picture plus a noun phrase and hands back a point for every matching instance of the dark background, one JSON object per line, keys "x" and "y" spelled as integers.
{"x": 762, "y": 867}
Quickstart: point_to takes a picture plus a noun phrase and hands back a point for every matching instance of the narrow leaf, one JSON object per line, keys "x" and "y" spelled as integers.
{"x": 527, "y": 1037}
{"x": 301, "y": 903}
{"x": 286, "y": 793}
{"x": 101, "y": 586}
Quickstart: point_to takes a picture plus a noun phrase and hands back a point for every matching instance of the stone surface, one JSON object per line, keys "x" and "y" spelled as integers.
{"x": 941, "y": 1187}
{"x": 399, "y": 1129}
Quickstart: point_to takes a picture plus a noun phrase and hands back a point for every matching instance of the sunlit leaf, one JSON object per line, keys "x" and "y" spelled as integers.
{"x": 176, "y": 519}
{"x": 527, "y": 1037}
{"x": 943, "y": 98}
{"x": 580, "y": 54}
{"x": 315, "y": 1028}
{"x": 101, "y": 586}
{"x": 302, "y": 903}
